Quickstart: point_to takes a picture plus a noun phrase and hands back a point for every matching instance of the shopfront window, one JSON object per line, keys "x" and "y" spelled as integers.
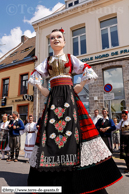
{"x": 114, "y": 77}
{"x": 24, "y": 84}
{"x": 84, "y": 94}
{"x": 5, "y": 87}
{"x": 5, "y": 110}
{"x": 109, "y": 33}
{"x": 79, "y": 41}
{"x": 23, "y": 111}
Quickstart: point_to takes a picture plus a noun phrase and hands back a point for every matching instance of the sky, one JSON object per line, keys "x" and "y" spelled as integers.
{"x": 16, "y": 17}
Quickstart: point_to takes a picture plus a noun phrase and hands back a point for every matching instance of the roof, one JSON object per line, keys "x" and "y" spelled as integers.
{"x": 20, "y": 52}
{"x": 63, "y": 10}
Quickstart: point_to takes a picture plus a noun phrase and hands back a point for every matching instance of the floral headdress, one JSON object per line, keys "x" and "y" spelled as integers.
{"x": 61, "y": 30}
{"x": 125, "y": 111}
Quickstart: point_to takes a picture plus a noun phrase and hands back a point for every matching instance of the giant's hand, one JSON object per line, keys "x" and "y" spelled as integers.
{"x": 78, "y": 87}
{"x": 44, "y": 91}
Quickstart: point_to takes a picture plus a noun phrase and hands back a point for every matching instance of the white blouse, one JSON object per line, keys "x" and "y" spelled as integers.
{"x": 29, "y": 127}
{"x": 41, "y": 71}
{"x": 4, "y": 125}
{"x": 118, "y": 126}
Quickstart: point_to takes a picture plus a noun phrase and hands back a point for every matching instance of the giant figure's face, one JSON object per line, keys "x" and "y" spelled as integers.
{"x": 57, "y": 41}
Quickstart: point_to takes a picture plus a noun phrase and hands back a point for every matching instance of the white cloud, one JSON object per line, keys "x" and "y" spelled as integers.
{"x": 10, "y": 41}
{"x": 78, "y": 80}
{"x": 29, "y": 34}
{"x": 42, "y": 11}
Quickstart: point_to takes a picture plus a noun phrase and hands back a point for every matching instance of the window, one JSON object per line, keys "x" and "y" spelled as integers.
{"x": 109, "y": 33}
{"x": 70, "y": 4}
{"x": 13, "y": 54}
{"x": 84, "y": 94}
{"x": 26, "y": 49}
{"x": 24, "y": 84}
{"x": 50, "y": 50}
{"x": 79, "y": 41}
{"x": 7, "y": 110}
{"x": 76, "y": 2}
{"x": 73, "y": 3}
{"x": 115, "y": 78}
{"x": 23, "y": 111}
{"x": 5, "y": 87}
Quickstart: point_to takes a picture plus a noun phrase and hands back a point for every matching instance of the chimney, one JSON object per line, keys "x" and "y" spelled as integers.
{"x": 23, "y": 38}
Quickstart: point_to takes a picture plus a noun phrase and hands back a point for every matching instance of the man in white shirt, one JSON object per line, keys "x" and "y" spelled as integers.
{"x": 96, "y": 116}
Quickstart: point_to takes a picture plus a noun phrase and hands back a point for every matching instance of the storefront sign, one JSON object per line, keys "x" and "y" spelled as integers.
{"x": 103, "y": 56}
{"x": 28, "y": 97}
{"x": 108, "y": 96}
{"x": 19, "y": 100}
{"x": 3, "y": 101}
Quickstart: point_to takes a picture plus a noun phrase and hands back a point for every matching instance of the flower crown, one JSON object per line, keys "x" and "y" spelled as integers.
{"x": 61, "y": 30}
{"x": 126, "y": 111}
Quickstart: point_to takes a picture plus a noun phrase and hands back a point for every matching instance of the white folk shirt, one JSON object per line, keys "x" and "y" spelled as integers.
{"x": 4, "y": 126}
{"x": 95, "y": 119}
{"x": 30, "y": 138}
{"x": 118, "y": 126}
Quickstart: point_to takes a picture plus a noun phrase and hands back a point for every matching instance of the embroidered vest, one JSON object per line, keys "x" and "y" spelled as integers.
{"x": 125, "y": 128}
{"x": 59, "y": 67}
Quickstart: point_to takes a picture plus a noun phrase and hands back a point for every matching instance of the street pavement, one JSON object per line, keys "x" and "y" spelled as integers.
{"x": 16, "y": 173}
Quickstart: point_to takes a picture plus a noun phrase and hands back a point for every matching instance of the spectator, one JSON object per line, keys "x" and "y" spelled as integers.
{"x": 96, "y": 116}
{"x": 10, "y": 118}
{"x": 123, "y": 125}
{"x": 105, "y": 126}
{"x": 14, "y": 136}
{"x": 116, "y": 135}
{"x": 4, "y": 136}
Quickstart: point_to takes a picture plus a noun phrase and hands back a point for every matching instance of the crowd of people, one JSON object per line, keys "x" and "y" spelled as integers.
{"x": 11, "y": 128}
{"x": 114, "y": 134}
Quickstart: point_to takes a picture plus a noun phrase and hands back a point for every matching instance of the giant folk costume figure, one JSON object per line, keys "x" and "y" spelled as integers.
{"x": 69, "y": 151}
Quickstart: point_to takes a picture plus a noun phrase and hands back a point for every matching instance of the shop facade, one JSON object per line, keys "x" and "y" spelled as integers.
{"x": 18, "y": 95}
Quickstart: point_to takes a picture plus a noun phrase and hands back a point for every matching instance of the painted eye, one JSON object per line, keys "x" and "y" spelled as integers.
{"x": 52, "y": 38}
{"x": 59, "y": 37}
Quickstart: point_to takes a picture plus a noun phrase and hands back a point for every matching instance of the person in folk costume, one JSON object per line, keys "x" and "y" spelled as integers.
{"x": 105, "y": 127}
{"x": 123, "y": 126}
{"x": 15, "y": 126}
{"x": 69, "y": 151}
{"x": 30, "y": 130}
{"x": 4, "y": 146}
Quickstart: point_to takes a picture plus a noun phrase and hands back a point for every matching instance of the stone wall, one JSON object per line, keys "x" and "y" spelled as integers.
{"x": 97, "y": 88}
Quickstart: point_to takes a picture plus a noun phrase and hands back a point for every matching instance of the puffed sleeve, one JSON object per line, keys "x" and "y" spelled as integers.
{"x": 39, "y": 72}
{"x": 118, "y": 126}
{"x": 87, "y": 72}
